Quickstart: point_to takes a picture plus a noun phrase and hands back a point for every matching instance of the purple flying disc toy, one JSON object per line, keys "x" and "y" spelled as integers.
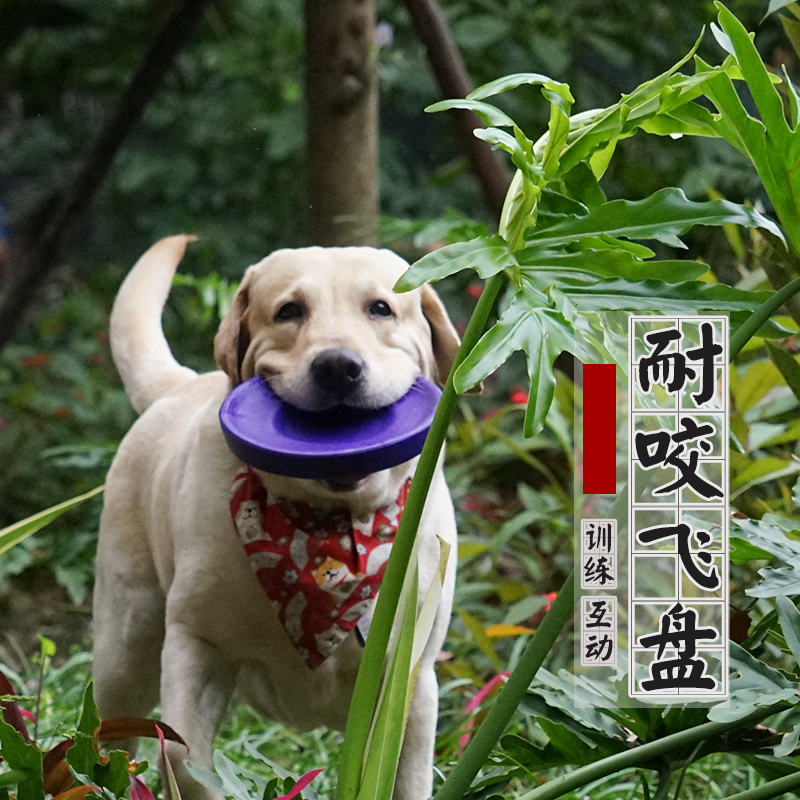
{"x": 270, "y": 435}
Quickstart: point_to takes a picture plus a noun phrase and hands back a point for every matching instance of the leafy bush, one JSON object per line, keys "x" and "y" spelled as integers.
{"x": 73, "y": 767}
{"x": 567, "y": 265}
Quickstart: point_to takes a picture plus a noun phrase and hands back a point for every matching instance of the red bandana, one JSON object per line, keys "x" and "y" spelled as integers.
{"x": 321, "y": 567}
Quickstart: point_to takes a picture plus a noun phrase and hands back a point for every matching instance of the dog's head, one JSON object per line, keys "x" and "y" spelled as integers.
{"x": 323, "y": 327}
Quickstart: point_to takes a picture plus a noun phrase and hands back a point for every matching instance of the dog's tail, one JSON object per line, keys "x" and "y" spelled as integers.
{"x": 141, "y": 353}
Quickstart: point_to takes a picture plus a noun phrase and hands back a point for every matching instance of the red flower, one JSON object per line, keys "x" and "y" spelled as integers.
{"x": 550, "y": 597}
{"x": 34, "y": 362}
{"x": 60, "y": 412}
{"x": 537, "y": 616}
{"x": 473, "y": 502}
{"x": 518, "y": 395}
{"x": 101, "y": 337}
{"x": 474, "y": 290}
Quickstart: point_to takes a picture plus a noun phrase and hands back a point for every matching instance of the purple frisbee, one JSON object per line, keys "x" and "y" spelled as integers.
{"x": 270, "y": 435}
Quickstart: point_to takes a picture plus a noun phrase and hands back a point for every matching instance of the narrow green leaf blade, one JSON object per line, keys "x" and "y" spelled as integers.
{"x": 788, "y": 366}
{"x": 429, "y": 608}
{"x": 15, "y": 533}
{"x": 383, "y": 751}
{"x": 488, "y": 113}
{"x": 556, "y": 93}
{"x": 776, "y": 5}
{"x": 172, "y": 791}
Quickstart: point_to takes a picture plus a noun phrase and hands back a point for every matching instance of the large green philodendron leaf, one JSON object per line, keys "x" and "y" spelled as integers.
{"x": 583, "y": 258}
{"x": 770, "y": 143}
{"x": 669, "y": 299}
{"x": 487, "y": 256}
{"x": 663, "y": 216}
{"x": 547, "y": 267}
{"x": 529, "y": 324}
{"x": 576, "y": 701}
{"x": 563, "y": 748}
{"x": 594, "y": 131}
{"x": 776, "y": 536}
{"x": 738, "y": 42}
{"x": 754, "y": 685}
{"x": 789, "y": 618}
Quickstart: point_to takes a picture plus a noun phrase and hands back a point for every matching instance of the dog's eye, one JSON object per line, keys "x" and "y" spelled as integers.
{"x": 290, "y": 311}
{"x": 380, "y": 308}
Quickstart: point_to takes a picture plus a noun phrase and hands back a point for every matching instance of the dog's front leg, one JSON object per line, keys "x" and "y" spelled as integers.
{"x": 197, "y": 682}
{"x": 415, "y": 770}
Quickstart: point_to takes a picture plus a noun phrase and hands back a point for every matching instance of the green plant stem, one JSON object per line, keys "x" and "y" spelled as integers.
{"x": 761, "y": 315}
{"x": 503, "y": 708}
{"x": 644, "y": 754}
{"x": 368, "y": 681}
{"x": 662, "y": 790}
{"x": 769, "y": 790}
{"x": 686, "y": 764}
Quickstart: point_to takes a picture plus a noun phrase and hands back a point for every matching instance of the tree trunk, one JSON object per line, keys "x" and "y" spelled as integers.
{"x": 342, "y": 122}
{"x": 451, "y": 74}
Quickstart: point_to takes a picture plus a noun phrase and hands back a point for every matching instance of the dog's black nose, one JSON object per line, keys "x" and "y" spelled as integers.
{"x": 338, "y": 371}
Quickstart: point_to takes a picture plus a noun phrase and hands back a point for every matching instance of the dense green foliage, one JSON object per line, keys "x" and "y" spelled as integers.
{"x": 220, "y": 153}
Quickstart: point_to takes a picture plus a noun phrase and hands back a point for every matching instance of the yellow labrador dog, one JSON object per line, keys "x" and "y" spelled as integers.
{"x": 181, "y": 615}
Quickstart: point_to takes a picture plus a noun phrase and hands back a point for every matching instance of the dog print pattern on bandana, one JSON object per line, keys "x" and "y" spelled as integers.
{"x": 321, "y": 567}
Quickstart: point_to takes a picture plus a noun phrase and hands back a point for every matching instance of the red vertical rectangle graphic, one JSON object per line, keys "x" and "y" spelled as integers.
{"x": 599, "y": 429}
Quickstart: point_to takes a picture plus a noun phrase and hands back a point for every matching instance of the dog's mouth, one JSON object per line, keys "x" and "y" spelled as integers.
{"x": 322, "y": 404}
{"x": 345, "y": 483}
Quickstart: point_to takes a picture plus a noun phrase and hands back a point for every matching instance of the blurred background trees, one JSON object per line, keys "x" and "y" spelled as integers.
{"x": 221, "y": 151}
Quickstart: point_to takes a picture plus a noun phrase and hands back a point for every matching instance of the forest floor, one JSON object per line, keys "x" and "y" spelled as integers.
{"x": 32, "y": 604}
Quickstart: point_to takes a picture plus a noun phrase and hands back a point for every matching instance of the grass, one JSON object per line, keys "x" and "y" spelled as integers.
{"x": 244, "y": 737}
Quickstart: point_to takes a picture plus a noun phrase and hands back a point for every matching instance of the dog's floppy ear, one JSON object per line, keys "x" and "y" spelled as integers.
{"x": 233, "y": 336}
{"x": 444, "y": 337}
